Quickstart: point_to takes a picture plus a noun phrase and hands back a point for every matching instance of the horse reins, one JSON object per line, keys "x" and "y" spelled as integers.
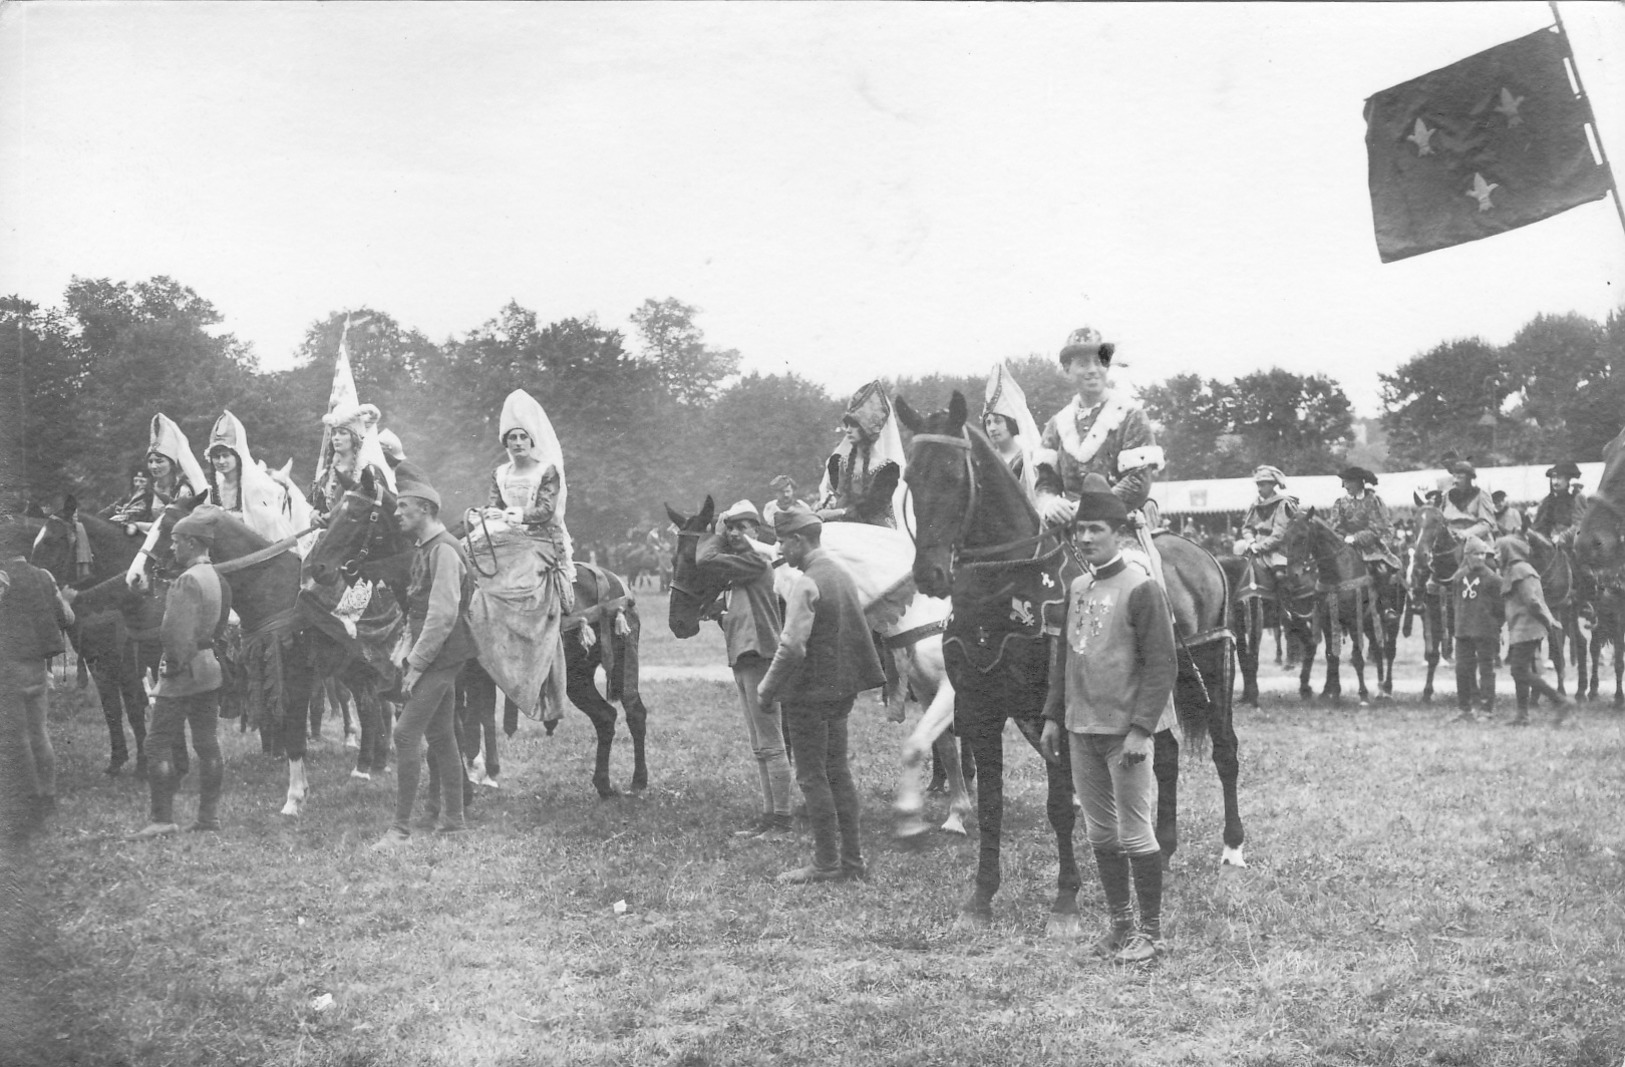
{"x": 978, "y": 556}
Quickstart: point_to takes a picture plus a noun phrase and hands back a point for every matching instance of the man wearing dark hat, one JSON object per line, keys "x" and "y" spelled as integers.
{"x": 824, "y": 659}
{"x": 1468, "y": 510}
{"x": 188, "y": 693}
{"x": 436, "y": 608}
{"x": 1098, "y": 432}
{"x": 1362, "y": 520}
{"x": 1111, "y": 684}
{"x": 1559, "y": 513}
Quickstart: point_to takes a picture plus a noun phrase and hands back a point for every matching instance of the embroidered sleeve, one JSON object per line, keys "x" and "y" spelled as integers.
{"x": 547, "y": 495}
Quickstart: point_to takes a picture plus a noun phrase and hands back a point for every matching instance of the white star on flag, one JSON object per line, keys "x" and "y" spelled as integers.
{"x": 1422, "y": 137}
{"x": 1509, "y": 107}
{"x": 1481, "y": 191}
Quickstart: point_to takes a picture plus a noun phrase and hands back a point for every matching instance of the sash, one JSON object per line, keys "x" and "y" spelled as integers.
{"x": 1083, "y": 449}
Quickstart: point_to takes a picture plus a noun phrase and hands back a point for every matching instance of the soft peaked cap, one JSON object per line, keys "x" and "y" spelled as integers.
{"x": 795, "y": 519}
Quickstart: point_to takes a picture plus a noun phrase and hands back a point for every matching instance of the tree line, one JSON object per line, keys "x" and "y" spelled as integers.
{"x": 664, "y": 416}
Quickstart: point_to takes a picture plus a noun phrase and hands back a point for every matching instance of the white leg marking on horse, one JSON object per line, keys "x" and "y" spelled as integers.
{"x": 297, "y": 787}
{"x": 1232, "y": 857}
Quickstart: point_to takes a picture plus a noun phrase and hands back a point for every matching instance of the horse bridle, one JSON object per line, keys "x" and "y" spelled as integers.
{"x": 350, "y": 569}
{"x": 674, "y": 584}
{"x": 980, "y": 555}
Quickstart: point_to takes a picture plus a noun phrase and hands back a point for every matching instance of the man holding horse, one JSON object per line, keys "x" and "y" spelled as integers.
{"x": 437, "y": 595}
{"x": 1362, "y": 519}
{"x": 1111, "y": 680}
{"x": 824, "y": 659}
{"x": 1560, "y": 512}
{"x": 751, "y": 626}
{"x": 189, "y": 678}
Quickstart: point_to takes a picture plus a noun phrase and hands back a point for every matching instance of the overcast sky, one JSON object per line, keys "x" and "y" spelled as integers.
{"x": 845, "y": 190}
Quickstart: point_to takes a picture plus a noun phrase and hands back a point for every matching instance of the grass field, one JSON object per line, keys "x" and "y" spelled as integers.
{"x": 1418, "y": 893}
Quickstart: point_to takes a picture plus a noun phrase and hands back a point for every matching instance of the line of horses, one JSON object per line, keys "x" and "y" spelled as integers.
{"x": 966, "y": 615}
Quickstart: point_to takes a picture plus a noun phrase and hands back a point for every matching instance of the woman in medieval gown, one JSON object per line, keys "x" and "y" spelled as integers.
{"x": 861, "y": 475}
{"x": 1011, "y": 427}
{"x": 528, "y": 492}
{"x": 349, "y": 447}
{"x": 174, "y": 470}
{"x": 237, "y": 484}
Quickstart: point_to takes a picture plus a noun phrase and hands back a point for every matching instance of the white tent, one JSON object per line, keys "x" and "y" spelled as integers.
{"x": 1524, "y": 485}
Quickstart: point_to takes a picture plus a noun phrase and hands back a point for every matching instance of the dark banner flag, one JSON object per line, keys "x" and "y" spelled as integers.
{"x": 1482, "y": 146}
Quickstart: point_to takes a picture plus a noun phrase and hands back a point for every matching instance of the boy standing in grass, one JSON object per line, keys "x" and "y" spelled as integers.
{"x": 1477, "y": 592}
{"x": 1528, "y": 620}
{"x": 1110, "y": 682}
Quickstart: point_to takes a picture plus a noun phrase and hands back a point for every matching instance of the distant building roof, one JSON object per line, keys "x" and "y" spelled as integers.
{"x": 1209, "y": 496}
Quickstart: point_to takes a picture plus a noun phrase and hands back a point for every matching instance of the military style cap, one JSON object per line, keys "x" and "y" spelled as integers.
{"x": 421, "y": 490}
{"x": 196, "y": 526}
{"x": 794, "y": 519}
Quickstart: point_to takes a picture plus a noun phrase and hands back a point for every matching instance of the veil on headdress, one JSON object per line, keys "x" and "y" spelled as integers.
{"x": 520, "y": 411}
{"x": 167, "y": 439}
{"x": 871, "y": 410}
{"x": 263, "y": 500}
{"x": 1004, "y": 397}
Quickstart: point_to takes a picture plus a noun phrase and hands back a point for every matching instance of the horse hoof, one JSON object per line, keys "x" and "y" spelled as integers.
{"x": 1062, "y": 927}
{"x": 609, "y": 794}
{"x": 1232, "y": 857}
{"x": 955, "y": 825}
{"x": 969, "y": 921}
{"x": 291, "y": 807}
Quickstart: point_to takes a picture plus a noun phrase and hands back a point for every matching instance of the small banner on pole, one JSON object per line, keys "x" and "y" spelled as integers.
{"x": 1485, "y": 145}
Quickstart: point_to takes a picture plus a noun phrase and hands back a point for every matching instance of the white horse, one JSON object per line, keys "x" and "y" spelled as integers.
{"x": 880, "y": 561}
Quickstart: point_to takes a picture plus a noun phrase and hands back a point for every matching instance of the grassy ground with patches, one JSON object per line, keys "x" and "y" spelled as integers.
{"x": 1417, "y": 893}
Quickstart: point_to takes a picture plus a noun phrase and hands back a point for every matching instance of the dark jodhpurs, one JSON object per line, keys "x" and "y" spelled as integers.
{"x": 1475, "y": 656}
{"x": 167, "y": 738}
{"x": 428, "y": 716}
{"x": 818, "y": 735}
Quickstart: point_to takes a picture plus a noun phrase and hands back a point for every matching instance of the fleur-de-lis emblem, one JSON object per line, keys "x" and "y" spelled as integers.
{"x": 1509, "y": 107}
{"x": 1021, "y": 610}
{"x": 1422, "y": 137}
{"x": 1481, "y": 191}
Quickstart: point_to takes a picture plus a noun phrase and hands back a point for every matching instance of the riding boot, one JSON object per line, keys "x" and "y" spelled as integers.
{"x": 1114, "y": 880}
{"x": 161, "y": 783}
{"x": 211, "y": 778}
{"x": 1148, "y": 889}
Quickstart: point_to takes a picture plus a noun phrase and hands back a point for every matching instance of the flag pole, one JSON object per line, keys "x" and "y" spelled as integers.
{"x": 1596, "y": 130}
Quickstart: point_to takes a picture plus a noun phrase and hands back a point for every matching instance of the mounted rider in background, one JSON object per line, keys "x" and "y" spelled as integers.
{"x": 1468, "y": 510}
{"x": 1362, "y": 520}
{"x": 1263, "y": 528}
{"x": 1560, "y": 512}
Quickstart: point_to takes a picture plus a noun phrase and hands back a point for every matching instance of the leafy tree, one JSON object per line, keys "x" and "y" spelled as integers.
{"x": 1301, "y": 423}
{"x": 148, "y": 347}
{"x": 760, "y": 427}
{"x": 689, "y": 369}
{"x": 1191, "y": 416}
{"x": 1435, "y": 401}
{"x": 1554, "y": 361}
{"x": 42, "y": 376}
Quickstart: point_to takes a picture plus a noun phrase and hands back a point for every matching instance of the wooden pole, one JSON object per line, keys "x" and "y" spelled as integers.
{"x": 1574, "y": 64}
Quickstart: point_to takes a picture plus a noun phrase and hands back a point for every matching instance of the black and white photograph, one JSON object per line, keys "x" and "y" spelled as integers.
{"x": 868, "y": 533}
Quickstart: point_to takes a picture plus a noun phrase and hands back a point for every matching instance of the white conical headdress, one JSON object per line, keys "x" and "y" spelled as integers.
{"x": 1004, "y": 397}
{"x": 167, "y": 439}
{"x": 264, "y": 501}
{"x": 520, "y": 411}
{"x": 871, "y": 409}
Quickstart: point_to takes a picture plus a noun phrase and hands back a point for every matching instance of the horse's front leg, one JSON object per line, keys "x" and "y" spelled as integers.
{"x": 983, "y": 729}
{"x": 1165, "y": 767}
{"x": 1306, "y": 666}
{"x": 1063, "y": 818}
{"x": 583, "y": 693}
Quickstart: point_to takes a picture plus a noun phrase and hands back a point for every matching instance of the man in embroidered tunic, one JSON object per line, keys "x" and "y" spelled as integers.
{"x": 1099, "y": 432}
{"x": 1558, "y": 515}
{"x": 1110, "y": 684}
{"x": 1362, "y": 519}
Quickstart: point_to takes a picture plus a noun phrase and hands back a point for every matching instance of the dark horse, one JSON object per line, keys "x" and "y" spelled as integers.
{"x": 1348, "y": 604}
{"x": 290, "y": 640}
{"x": 1258, "y": 599}
{"x": 117, "y": 639}
{"x": 981, "y": 542}
{"x": 363, "y": 540}
{"x": 1434, "y": 557}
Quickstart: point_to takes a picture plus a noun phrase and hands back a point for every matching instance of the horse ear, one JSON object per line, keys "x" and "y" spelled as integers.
{"x": 707, "y": 512}
{"x": 70, "y": 504}
{"x": 197, "y": 499}
{"x": 957, "y": 409}
{"x": 286, "y": 470}
{"x": 366, "y": 480}
{"x": 908, "y": 416}
{"x": 676, "y": 517}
